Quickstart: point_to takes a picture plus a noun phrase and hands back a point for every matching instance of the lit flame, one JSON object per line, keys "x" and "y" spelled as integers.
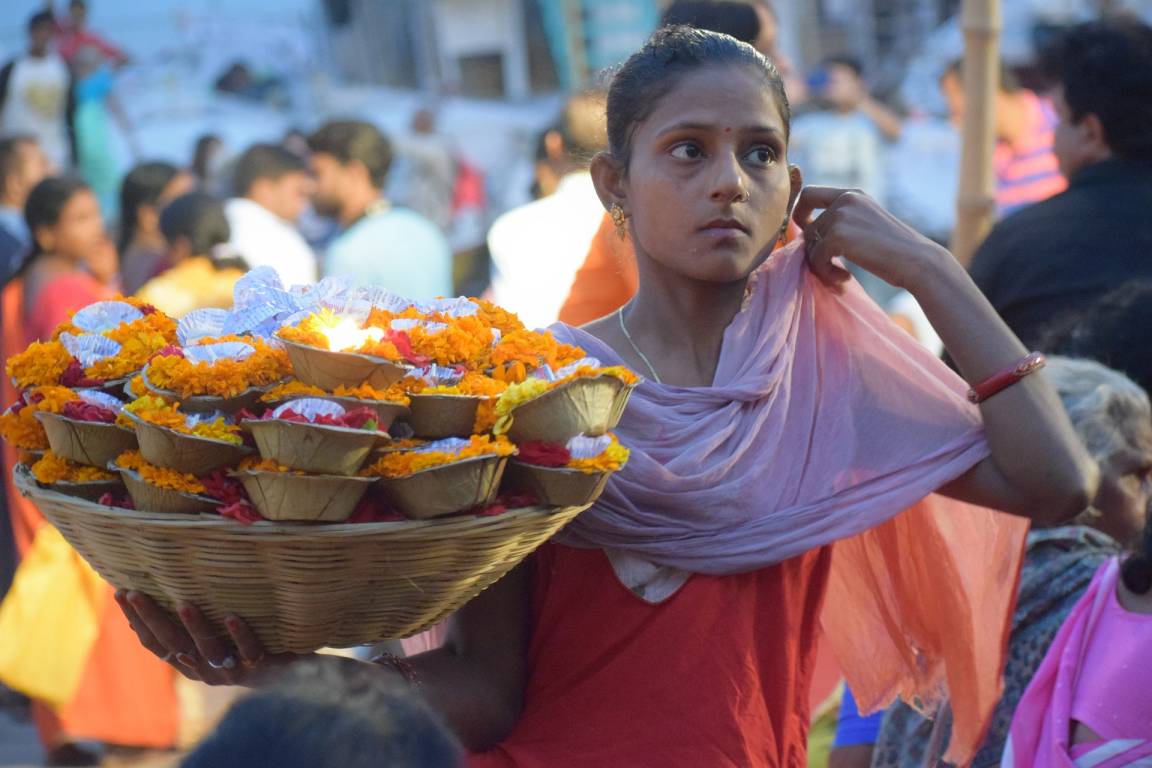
{"x": 347, "y": 334}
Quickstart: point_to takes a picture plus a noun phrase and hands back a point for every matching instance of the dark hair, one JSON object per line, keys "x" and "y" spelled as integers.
{"x": 728, "y": 17}
{"x": 1105, "y": 68}
{"x": 669, "y": 54}
{"x": 44, "y": 207}
{"x": 264, "y": 161}
{"x": 1008, "y": 81}
{"x": 847, "y": 62}
{"x": 40, "y": 19}
{"x": 10, "y": 157}
{"x": 143, "y": 185}
{"x": 200, "y": 155}
{"x": 1113, "y": 331}
{"x": 197, "y": 217}
{"x": 327, "y": 715}
{"x": 354, "y": 141}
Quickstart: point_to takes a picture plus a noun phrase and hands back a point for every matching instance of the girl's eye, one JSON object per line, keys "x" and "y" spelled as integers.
{"x": 762, "y": 155}
{"x": 686, "y": 151}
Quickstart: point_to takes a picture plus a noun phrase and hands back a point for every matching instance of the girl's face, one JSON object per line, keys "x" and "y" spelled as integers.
{"x": 708, "y": 186}
{"x": 80, "y": 230}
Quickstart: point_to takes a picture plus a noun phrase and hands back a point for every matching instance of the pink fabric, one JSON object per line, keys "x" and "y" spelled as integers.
{"x": 824, "y": 420}
{"x": 1042, "y": 726}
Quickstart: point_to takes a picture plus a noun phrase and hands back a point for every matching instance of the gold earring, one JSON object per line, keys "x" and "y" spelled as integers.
{"x": 619, "y": 218}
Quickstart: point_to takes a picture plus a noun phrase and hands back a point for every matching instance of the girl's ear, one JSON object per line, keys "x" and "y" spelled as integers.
{"x": 608, "y": 178}
{"x": 797, "y": 180}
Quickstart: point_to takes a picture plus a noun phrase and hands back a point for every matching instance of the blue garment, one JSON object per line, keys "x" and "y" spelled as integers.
{"x": 853, "y": 728}
{"x": 397, "y": 249}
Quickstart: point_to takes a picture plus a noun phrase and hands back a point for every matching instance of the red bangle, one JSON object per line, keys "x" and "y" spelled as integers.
{"x": 1006, "y": 378}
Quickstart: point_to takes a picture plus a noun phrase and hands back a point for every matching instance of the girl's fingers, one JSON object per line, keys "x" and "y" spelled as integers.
{"x": 173, "y": 638}
{"x": 143, "y": 633}
{"x": 212, "y": 647}
{"x": 249, "y": 646}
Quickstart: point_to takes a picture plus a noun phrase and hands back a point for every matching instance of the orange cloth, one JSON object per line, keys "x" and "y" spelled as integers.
{"x": 717, "y": 675}
{"x": 126, "y": 695}
{"x": 607, "y": 281}
{"x": 609, "y": 277}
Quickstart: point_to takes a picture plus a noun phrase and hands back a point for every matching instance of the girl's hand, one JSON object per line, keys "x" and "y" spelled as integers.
{"x": 855, "y": 227}
{"x": 194, "y": 648}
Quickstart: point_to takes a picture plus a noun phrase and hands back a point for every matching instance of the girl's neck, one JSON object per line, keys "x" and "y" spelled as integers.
{"x": 678, "y": 323}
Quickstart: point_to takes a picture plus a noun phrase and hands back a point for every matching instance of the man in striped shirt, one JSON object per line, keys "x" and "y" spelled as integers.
{"x": 1027, "y": 170}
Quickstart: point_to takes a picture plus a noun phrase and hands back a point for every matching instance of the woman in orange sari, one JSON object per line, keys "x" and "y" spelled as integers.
{"x": 125, "y": 696}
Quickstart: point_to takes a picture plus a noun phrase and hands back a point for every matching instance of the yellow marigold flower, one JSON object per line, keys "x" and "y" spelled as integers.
{"x": 291, "y": 390}
{"x": 22, "y": 429}
{"x": 614, "y": 457}
{"x": 294, "y": 389}
{"x": 224, "y": 378}
{"x": 160, "y": 477}
{"x": 404, "y": 463}
{"x": 51, "y": 469}
{"x": 161, "y": 412}
{"x": 41, "y": 364}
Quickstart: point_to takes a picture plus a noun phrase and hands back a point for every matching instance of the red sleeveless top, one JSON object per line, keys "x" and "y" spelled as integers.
{"x": 717, "y": 675}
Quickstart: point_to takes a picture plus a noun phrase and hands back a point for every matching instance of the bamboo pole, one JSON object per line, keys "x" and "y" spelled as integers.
{"x": 976, "y": 202}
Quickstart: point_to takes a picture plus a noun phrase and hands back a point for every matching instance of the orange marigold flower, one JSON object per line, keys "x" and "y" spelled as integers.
{"x": 51, "y": 469}
{"x": 257, "y": 464}
{"x": 22, "y": 429}
{"x": 163, "y": 413}
{"x": 497, "y": 317}
{"x": 466, "y": 341}
{"x": 160, "y": 477}
{"x": 614, "y": 457}
{"x": 41, "y": 364}
{"x": 534, "y": 349}
{"x": 224, "y": 378}
{"x": 404, "y": 463}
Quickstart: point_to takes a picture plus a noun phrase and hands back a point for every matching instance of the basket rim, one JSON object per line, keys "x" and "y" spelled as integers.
{"x": 173, "y": 395}
{"x": 331, "y": 428}
{"x": 301, "y": 476}
{"x": 449, "y": 465}
{"x": 447, "y": 396}
{"x": 361, "y": 355}
{"x": 185, "y": 435}
{"x": 28, "y": 488}
{"x": 62, "y": 417}
{"x": 140, "y": 479}
{"x": 559, "y": 470}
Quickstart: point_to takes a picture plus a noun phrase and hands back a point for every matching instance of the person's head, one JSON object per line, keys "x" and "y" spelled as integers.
{"x": 41, "y": 30}
{"x": 23, "y": 165}
{"x": 194, "y": 225}
{"x": 1103, "y": 96}
{"x": 698, "y": 127}
{"x": 205, "y": 157}
{"x": 350, "y": 160}
{"x": 574, "y": 140}
{"x": 1113, "y": 418}
{"x": 728, "y": 17}
{"x": 845, "y": 87}
{"x": 274, "y": 178}
{"x": 144, "y": 192}
{"x": 78, "y": 14}
{"x": 1008, "y": 87}
{"x": 328, "y": 714}
{"x": 64, "y": 218}
{"x": 424, "y": 122}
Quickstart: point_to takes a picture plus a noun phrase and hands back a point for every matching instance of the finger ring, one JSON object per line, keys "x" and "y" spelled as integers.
{"x": 227, "y": 663}
{"x": 167, "y": 658}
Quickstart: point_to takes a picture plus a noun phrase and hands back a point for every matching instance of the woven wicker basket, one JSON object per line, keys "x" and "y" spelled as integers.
{"x": 302, "y": 587}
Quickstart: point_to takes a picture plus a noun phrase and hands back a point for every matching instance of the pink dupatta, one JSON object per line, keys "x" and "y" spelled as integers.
{"x": 826, "y": 421}
{"x": 1041, "y": 728}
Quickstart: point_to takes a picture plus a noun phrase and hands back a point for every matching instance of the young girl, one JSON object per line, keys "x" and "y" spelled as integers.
{"x": 672, "y": 624}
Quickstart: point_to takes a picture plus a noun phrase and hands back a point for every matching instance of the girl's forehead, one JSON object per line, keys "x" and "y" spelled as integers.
{"x": 725, "y": 96}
